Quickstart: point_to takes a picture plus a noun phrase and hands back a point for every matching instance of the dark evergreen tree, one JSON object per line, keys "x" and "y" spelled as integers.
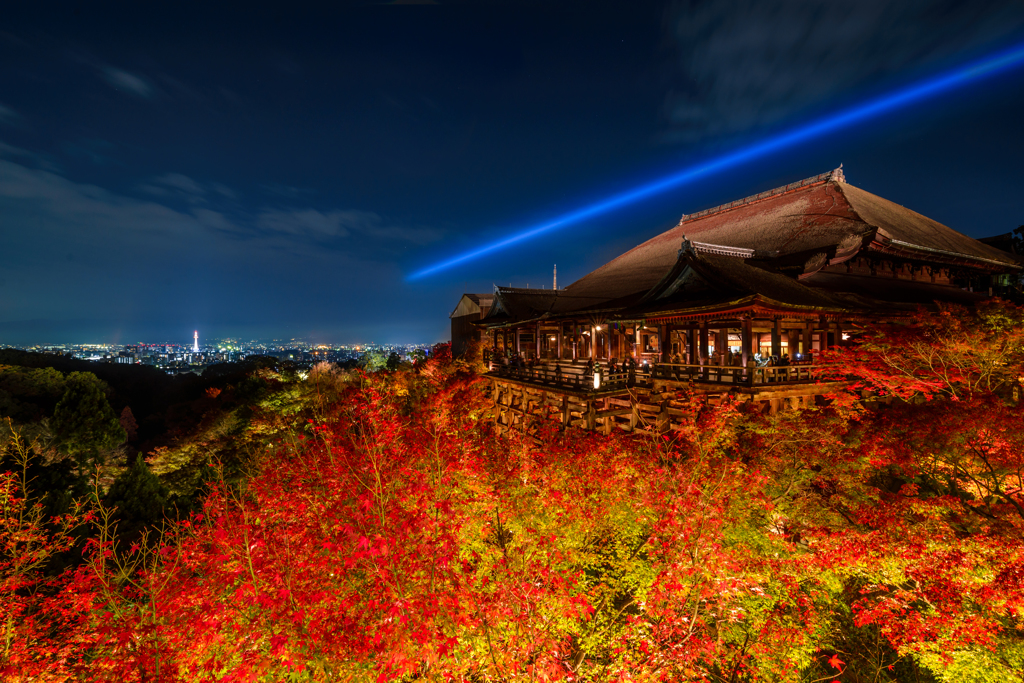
{"x": 139, "y": 496}
{"x": 128, "y": 423}
{"x": 83, "y": 422}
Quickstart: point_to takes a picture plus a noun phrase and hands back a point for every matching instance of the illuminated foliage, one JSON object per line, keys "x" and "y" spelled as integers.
{"x": 396, "y": 536}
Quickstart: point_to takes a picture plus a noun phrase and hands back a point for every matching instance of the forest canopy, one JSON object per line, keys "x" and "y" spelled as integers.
{"x": 375, "y": 526}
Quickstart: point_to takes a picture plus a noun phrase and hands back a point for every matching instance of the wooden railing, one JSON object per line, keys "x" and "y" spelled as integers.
{"x": 731, "y": 374}
{"x": 572, "y": 377}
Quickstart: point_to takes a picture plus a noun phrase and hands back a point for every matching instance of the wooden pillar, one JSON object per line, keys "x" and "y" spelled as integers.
{"x": 537, "y": 340}
{"x": 665, "y": 343}
{"x": 777, "y": 337}
{"x": 702, "y": 346}
{"x": 692, "y": 358}
{"x": 593, "y": 343}
{"x": 746, "y": 337}
{"x": 607, "y": 343}
{"x": 839, "y": 333}
{"x": 806, "y": 346}
{"x": 702, "y": 351}
{"x": 558, "y": 343}
{"x": 722, "y": 345}
{"x": 637, "y": 349}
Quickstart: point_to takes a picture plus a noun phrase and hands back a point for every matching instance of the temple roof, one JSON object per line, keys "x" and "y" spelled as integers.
{"x": 772, "y": 247}
{"x": 792, "y": 224}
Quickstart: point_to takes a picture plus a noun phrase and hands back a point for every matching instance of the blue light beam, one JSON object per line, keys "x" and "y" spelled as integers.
{"x": 924, "y": 89}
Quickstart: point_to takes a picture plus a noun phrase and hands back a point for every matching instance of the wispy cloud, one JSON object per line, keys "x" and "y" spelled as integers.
{"x": 179, "y": 181}
{"x": 183, "y": 187}
{"x": 69, "y": 249}
{"x": 8, "y": 115}
{"x": 37, "y": 160}
{"x": 751, "y": 64}
{"x": 359, "y": 226}
{"x": 128, "y": 82}
{"x": 289, "y": 191}
{"x": 313, "y": 223}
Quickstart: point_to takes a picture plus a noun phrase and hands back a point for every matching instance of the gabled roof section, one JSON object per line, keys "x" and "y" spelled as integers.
{"x": 709, "y": 277}
{"x": 471, "y": 304}
{"x": 898, "y": 227}
{"x": 518, "y": 304}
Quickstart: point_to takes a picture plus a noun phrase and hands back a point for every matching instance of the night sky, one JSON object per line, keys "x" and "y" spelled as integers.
{"x": 282, "y": 172}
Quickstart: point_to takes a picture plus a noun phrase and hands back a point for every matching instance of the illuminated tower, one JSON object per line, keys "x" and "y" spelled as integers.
{"x": 195, "y": 342}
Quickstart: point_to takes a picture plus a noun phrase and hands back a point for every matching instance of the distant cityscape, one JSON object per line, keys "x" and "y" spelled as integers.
{"x": 195, "y": 357}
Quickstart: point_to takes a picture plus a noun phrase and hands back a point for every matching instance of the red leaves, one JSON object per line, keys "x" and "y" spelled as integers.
{"x": 404, "y": 539}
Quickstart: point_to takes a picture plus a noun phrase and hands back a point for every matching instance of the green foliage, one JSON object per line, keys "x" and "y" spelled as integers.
{"x": 83, "y": 422}
{"x": 373, "y": 361}
{"x": 29, "y": 394}
{"x": 139, "y": 496}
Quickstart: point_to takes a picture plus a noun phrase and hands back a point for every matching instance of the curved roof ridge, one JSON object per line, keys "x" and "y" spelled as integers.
{"x": 835, "y": 174}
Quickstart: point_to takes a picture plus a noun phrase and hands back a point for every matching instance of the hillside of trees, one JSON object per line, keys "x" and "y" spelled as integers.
{"x": 261, "y": 525}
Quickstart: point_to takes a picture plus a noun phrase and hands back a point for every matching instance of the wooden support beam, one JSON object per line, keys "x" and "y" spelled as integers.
{"x": 746, "y": 337}
{"x": 777, "y": 337}
{"x": 702, "y": 351}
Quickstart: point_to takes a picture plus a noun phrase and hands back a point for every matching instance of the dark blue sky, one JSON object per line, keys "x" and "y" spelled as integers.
{"x": 281, "y": 172}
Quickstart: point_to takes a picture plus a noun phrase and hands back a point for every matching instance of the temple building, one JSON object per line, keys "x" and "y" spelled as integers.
{"x": 471, "y": 308}
{"x": 739, "y": 297}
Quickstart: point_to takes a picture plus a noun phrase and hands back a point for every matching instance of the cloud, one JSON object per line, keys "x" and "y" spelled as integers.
{"x": 75, "y": 251}
{"x": 752, "y": 64}
{"x": 223, "y": 190}
{"x": 313, "y": 223}
{"x": 289, "y": 191}
{"x": 38, "y": 160}
{"x": 414, "y": 235}
{"x": 214, "y": 220}
{"x": 180, "y": 182}
{"x": 181, "y": 186}
{"x": 8, "y": 115}
{"x": 123, "y": 81}
{"x": 361, "y": 227}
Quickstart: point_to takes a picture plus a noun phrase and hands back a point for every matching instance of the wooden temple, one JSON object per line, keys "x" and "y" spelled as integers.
{"x": 739, "y": 299}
